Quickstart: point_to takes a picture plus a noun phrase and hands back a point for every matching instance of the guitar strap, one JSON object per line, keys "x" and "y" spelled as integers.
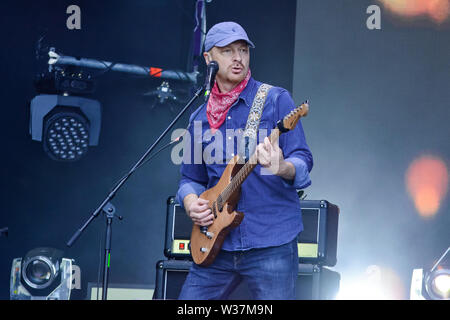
{"x": 248, "y": 142}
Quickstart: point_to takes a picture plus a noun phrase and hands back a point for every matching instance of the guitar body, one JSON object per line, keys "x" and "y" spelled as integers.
{"x": 224, "y": 220}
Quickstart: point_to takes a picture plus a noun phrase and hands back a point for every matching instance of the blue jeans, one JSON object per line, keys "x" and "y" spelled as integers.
{"x": 270, "y": 273}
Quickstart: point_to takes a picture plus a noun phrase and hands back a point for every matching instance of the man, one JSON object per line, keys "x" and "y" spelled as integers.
{"x": 262, "y": 250}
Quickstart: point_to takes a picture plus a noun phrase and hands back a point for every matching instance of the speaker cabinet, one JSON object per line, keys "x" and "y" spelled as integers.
{"x": 313, "y": 282}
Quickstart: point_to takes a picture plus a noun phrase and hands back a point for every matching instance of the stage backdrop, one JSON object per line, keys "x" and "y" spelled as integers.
{"x": 378, "y": 79}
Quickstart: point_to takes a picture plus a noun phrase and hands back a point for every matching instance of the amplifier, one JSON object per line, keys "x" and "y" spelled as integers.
{"x": 313, "y": 282}
{"x": 317, "y": 243}
{"x": 178, "y": 231}
{"x": 170, "y": 276}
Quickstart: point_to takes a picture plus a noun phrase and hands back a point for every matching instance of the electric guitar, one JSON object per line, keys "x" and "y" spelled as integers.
{"x": 206, "y": 242}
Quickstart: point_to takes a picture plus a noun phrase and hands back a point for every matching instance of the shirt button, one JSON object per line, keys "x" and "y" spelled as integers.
{"x": 229, "y": 117}
{"x": 232, "y": 154}
{"x": 229, "y": 138}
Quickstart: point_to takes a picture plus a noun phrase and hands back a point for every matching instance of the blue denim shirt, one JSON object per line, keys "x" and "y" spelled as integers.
{"x": 270, "y": 203}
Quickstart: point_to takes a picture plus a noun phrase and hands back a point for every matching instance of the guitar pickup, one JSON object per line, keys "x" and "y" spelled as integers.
{"x": 205, "y": 231}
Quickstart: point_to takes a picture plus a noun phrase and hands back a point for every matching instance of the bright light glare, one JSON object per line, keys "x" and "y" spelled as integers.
{"x": 442, "y": 284}
{"x": 426, "y": 181}
{"x": 437, "y": 10}
{"x": 361, "y": 291}
{"x": 375, "y": 283}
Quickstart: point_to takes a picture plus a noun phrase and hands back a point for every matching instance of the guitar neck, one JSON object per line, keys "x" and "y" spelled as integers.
{"x": 245, "y": 171}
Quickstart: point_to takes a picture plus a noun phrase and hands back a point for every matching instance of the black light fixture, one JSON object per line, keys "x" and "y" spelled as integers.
{"x": 61, "y": 116}
{"x": 66, "y": 125}
{"x": 42, "y": 274}
{"x": 433, "y": 284}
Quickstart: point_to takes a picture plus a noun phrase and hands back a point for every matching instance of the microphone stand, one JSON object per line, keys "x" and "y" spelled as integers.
{"x": 109, "y": 210}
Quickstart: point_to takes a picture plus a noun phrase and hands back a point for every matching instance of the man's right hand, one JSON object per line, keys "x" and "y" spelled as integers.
{"x": 198, "y": 210}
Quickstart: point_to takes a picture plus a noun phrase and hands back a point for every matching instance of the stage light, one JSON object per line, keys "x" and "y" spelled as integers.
{"x": 43, "y": 274}
{"x": 66, "y": 135}
{"x": 433, "y": 284}
{"x": 430, "y": 285}
{"x": 437, "y": 284}
{"x": 66, "y": 125}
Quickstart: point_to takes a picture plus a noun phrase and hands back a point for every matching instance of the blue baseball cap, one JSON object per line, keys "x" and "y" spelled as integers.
{"x": 224, "y": 33}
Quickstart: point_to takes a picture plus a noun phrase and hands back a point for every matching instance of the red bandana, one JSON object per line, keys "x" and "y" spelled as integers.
{"x": 219, "y": 103}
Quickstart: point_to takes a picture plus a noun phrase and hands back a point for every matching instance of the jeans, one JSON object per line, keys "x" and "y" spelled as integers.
{"x": 270, "y": 274}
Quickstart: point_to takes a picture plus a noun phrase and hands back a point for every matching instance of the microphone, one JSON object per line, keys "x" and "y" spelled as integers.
{"x": 211, "y": 72}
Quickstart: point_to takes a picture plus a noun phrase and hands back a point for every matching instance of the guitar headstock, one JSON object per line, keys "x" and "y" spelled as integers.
{"x": 291, "y": 119}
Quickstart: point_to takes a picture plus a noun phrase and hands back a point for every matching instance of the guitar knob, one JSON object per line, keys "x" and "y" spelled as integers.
{"x": 203, "y": 250}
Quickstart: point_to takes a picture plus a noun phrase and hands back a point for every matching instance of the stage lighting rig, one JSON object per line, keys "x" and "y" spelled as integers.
{"x": 42, "y": 274}
{"x": 63, "y": 118}
{"x": 163, "y": 93}
{"x": 433, "y": 284}
{"x": 58, "y": 60}
{"x": 66, "y": 125}
{"x": 65, "y": 81}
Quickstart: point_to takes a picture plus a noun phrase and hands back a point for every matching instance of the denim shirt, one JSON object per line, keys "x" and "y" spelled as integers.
{"x": 270, "y": 203}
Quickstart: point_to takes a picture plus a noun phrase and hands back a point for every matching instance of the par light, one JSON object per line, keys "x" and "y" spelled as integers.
{"x": 66, "y": 135}
{"x": 66, "y": 125}
{"x": 433, "y": 284}
{"x": 437, "y": 284}
{"x": 43, "y": 274}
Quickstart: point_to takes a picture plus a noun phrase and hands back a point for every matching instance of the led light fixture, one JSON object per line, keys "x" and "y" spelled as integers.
{"x": 66, "y": 125}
